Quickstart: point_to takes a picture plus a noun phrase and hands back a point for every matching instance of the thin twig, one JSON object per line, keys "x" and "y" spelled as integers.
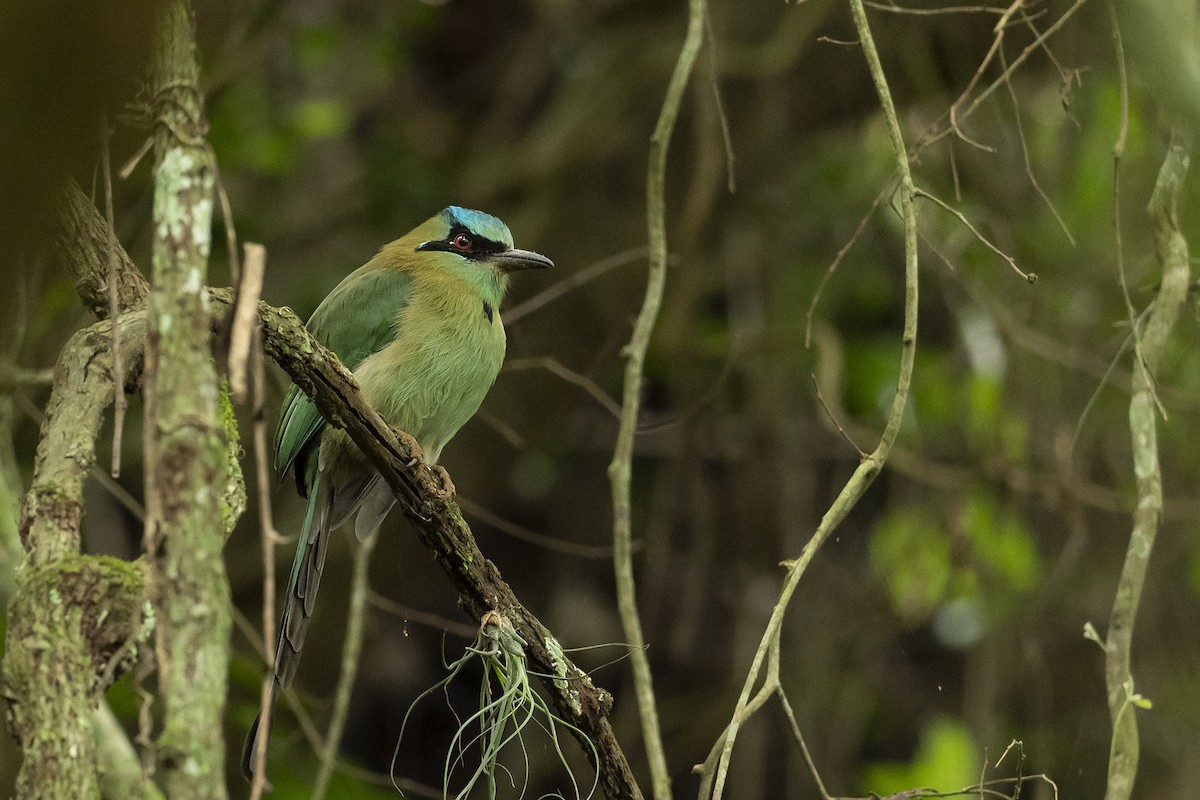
{"x": 934, "y": 135}
{"x": 13, "y": 377}
{"x": 839, "y": 42}
{"x": 426, "y": 618}
{"x": 1037, "y": 186}
{"x": 473, "y": 509}
{"x": 997, "y": 44}
{"x": 828, "y": 412}
{"x": 498, "y": 424}
{"x": 1030, "y": 277}
{"x": 560, "y": 370}
{"x": 1118, "y": 152}
{"x": 351, "y": 650}
{"x": 799, "y": 736}
{"x": 1029, "y": 20}
{"x": 129, "y": 166}
{"x": 1018, "y": 61}
{"x": 557, "y": 290}
{"x": 119, "y": 401}
{"x": 722, "y": 117}
{"x": 841, "y": 254}
{"x": 929, "y": 12}
{"x": 255, "y": 263}
{"x": 709, "y": 768}
{"x": 106, "y": 481}
{"x": 145, "y": 728}
{"x": 235, "y": 277}
{"x": 954, "y": 172}
{"x": 245, "y": 318}
{"x": 290, "y": 696}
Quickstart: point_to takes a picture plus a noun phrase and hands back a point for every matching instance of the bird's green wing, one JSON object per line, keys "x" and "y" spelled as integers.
{"x": 357, "y": 319}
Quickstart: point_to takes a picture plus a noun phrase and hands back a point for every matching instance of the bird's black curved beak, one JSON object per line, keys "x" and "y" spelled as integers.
{"x": 513, "y": 260}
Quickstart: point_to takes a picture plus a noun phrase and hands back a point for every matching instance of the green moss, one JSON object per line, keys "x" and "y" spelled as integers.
{"x": 233, "y": 498}
{"x": 559, "y": 660}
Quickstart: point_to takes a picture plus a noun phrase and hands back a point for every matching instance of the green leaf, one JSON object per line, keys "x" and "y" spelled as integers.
{"x": 1003, "y": 547}
{"x": 909, "y": 550}
{"x": 946, "y": 759}
{"x": 325, "y": 118}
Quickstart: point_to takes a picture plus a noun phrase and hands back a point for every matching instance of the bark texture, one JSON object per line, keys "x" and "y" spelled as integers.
{"x": 81, "y": 244}
{"x": 186, "y": 440}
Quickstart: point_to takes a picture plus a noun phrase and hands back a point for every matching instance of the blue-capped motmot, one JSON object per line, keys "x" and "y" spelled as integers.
{"x": 419, "y": 326}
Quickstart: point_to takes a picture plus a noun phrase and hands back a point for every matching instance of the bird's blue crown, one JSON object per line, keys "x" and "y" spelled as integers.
{"x": 479, "y": 223}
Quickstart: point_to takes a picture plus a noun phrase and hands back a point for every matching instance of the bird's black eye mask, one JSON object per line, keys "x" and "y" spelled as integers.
{"x": 462, "y": 241}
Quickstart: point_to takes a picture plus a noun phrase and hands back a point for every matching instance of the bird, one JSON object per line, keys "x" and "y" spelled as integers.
{"x": 419, "y": 327}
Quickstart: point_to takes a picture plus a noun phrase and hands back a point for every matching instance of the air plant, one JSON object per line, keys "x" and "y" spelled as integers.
{"x": 507, "y": 704}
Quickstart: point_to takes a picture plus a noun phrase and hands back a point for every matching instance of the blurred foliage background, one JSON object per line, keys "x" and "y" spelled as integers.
{"x": 945, "y": 618}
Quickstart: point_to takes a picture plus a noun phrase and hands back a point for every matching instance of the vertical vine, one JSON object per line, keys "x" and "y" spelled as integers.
{"x": 620, "y": 470}
{"x": 1172, "y": 251}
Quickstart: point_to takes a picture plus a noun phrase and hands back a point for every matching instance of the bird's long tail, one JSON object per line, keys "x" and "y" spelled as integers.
{"x": 303, "y": 582}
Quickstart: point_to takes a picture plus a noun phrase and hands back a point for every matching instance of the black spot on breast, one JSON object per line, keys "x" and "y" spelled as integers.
{"x": 487, "y": 310}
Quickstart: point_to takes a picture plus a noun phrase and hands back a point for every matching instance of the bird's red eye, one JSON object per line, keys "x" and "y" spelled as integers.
{"x": 462, "y": 241}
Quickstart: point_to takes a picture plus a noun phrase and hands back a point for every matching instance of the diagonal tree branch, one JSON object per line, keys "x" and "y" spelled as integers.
{"x": 441, "y": 528}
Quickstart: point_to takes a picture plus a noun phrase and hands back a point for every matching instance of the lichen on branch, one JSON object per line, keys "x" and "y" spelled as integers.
{"x": 71, "y": 617}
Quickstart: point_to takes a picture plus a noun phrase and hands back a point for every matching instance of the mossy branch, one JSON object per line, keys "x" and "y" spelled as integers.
{"x": 189, "y": 464}
{"x": 71, "y": 616}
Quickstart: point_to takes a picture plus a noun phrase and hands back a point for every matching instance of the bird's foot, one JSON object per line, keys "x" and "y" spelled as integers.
{"x": 415, "y": 449}
{"x": 447, "y": 490}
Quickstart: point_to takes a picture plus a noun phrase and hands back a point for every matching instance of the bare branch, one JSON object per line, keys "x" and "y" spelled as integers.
{"x": 241, "y": 338}
{"x": 1030, "y": 277}
{"x": 560, "y": 370}
{"x": 837, "y": 260}
{"x": 114, "y": 305}
{"x": 583, "y": 276}
{"x": 1029, "y": 173}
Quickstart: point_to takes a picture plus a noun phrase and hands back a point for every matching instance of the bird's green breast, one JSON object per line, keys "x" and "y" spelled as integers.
{"x": 433, "y": 376}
